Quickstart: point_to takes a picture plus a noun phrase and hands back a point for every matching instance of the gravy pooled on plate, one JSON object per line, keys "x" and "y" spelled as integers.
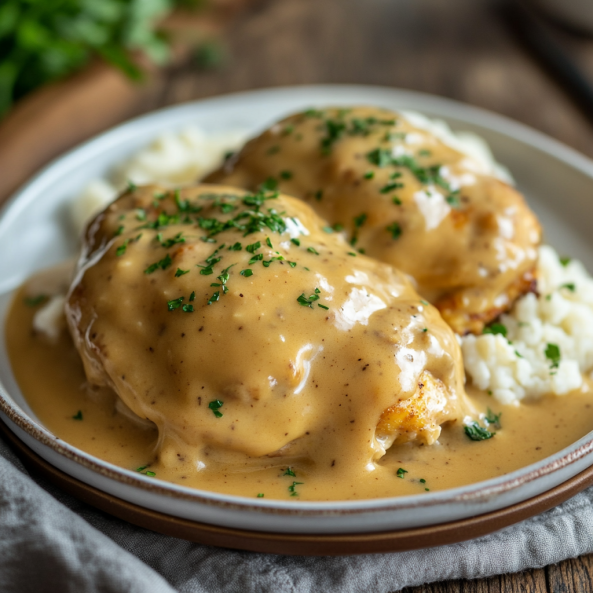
{"x": 405, "y": 197}
{"x": 253, "y": 338}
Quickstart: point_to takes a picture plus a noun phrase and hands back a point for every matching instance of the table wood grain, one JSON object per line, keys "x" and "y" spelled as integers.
{"x": 459, "y": 49}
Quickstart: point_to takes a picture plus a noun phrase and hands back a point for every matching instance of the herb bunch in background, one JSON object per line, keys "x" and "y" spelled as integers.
{"x": 44, "y": 40}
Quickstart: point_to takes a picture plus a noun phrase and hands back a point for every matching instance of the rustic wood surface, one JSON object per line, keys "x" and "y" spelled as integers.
{"x": 459, "y": 49}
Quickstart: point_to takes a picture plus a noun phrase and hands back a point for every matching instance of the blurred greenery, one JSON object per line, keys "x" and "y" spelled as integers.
{"x": 44, "y": 40}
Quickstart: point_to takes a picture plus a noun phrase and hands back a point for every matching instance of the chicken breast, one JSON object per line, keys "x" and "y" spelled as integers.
{"x": 240, "y": 327}
{"x": 403, "y": 196}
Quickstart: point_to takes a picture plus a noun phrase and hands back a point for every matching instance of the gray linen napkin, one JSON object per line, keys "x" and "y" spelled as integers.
{"x": 49, "y": 541}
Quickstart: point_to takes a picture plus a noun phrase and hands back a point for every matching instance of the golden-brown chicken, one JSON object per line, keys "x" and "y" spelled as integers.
{"x": 405, "y": 197}
{"x": 235, "y": 323}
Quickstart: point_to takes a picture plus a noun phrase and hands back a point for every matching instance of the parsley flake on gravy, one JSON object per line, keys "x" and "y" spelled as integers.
{"x": 292, "y": 488}
{"x": 78, "y": 415}
{"x": 35, "y": 301}
{"x": 401, "y": 472}
{"x": 476, "y": 432}
{"x": 215, "y": 407}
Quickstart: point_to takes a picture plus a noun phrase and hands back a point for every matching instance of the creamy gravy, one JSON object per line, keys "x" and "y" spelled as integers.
{"x": 289, "y": 426}
{"x": 405, "y": 198}
{"x": 57, "y": 391}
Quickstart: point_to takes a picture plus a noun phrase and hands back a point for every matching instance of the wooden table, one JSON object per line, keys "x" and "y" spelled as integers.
{"x": 458, "y": 48}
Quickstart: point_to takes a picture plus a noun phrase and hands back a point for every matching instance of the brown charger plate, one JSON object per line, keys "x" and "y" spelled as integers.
{"x": 300, "y": 544}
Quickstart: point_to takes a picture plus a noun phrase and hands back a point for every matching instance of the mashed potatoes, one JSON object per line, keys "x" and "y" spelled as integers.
{"x": 546, "y": 341}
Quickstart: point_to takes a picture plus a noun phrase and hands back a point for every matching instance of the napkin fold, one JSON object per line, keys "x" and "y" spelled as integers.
{"x": 50, "y": 541}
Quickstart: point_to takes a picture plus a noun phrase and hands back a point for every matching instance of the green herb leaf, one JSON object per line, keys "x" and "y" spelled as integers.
{"x": 552, "y": 353}
{"x": 180, "y": 272}
{"x": 78, "y": 415}
{"x": 495, "y": 329}
{"x": 401, "y": 472}
{"x": 289, "y": 472}
{"x": 215, "y": 407}
{"x": 163, "y": 264}
{"x": 292, "y": 490}
{"x": 247, "y": 272}
{"x": 174, "y": 304}
{"x": 395, "y": 230}
{"x": 35, "y": 301}
{"x": 492, "y": 418}
{"x": 476, "y": 433}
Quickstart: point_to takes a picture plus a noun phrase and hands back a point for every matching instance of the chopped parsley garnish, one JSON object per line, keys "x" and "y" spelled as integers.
{"x": 424, "y": 302}
{"x": 78, "y": 415}
{"x": 269, "y": 243}
{"x": 247, "y": 272}
{"x": 334, "y": 129}
{"x": 496, "y": 329}
{"x": 180, "y": 272}
{"x": 395, "y": 229}
{"x": 453, "y": 199}
{"x": 369, "y": 175}
{"x": 286, "y": 175}
{"x": 260, "y": 495}
{"x": 215, "y": 407}
{"x": 319, "y": 195}
{"x": 236, "y": 247}
{"x": 150, "y": 474}
{"x": 163, "y": 264}
{"x": 253, "y": 247}
{"x": 270, "y": 184}
{"x": 391, "y": 187}
{"x": 422, "y": 481}
{"x": 292, "y": 488}
{"x": 132, "y": 187}
{"x": 323, "y": 306}
{"x": 296, "y": 242}
{"x": 273, "y": 149}
{"x": 187, "y": 308}
{"x": 564, "y": 261}
{"x": 477, "y": 433}
{"x": 289, "y": 472}
{"x": 396, "y": 201}
{"x": 174, "y": 304}
{"x": 141, "y": 214}
{"x": 119, "y": 231}
{"x": 192, "y": 296}
{"x": 492, "y": 418}
{"x": 178, "y": 238}
{"x": 122, "y": 248}
{"x": 569, "y": 286}
{"x": 401, "y": 472}
{"x": 35, "y": 301}
{"x": 352, "y": 253}
{"x": 214, "y": 298}
{"x": 552, "y": 353}
{"x": 292, "y": 264}
{"x": 256, "y": 258}
{"x": 312, "y": 250}
{"x": 360, "y": 220}
{"x": 308, "y": 301}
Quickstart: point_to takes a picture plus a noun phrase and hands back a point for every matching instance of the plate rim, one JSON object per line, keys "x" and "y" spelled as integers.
{"x": 476, "y": 492}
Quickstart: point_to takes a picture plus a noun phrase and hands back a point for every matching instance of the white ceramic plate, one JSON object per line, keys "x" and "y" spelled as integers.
{"x": 34, "y": 233}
